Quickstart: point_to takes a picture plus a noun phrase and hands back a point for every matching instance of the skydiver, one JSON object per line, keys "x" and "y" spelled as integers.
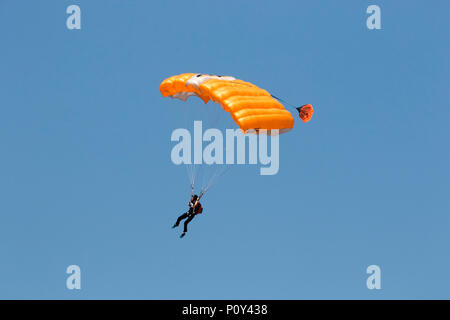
{"x": 195, "y": 208}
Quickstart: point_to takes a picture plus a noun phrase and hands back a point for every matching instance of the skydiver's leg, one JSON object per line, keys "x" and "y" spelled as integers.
{"x": 183, "y": 216}
{"x": 189, "y": 219}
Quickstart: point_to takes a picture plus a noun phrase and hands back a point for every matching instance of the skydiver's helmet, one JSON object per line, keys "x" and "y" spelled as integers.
{"x": 194, "y": 197}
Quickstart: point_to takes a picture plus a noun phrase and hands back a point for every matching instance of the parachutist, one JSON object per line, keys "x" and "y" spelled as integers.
{"x": 195, "y": 208}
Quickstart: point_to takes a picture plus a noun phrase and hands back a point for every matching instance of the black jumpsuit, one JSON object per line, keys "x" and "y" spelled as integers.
{"x": 190, "y": 214}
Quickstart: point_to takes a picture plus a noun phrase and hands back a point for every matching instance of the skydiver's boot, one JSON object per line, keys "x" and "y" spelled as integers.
{"x": 183, "y": 234}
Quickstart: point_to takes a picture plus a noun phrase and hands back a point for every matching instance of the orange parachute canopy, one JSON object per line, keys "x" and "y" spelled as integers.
{"x": 250, "y": 106}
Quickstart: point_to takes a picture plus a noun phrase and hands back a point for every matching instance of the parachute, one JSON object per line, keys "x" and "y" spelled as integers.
{"x": 253, "y": 109}
{"x": 250, "y": 106}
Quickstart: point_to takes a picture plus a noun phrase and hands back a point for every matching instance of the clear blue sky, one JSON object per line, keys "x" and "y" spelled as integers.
{"x": 86, "y": 176}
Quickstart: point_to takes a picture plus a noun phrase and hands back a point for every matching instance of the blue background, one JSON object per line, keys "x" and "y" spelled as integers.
{"x": 86, "y": 176}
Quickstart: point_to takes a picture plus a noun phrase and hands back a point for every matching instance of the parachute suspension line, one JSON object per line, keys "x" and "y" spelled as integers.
{"x": 191, "y": 168}
{"x": 214, "y": 179}
{"x": 285, "y": 102}
{"x": 192, "y": 187}
{"x": 193, "y": 176}
{"x": 209, "y": 174}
